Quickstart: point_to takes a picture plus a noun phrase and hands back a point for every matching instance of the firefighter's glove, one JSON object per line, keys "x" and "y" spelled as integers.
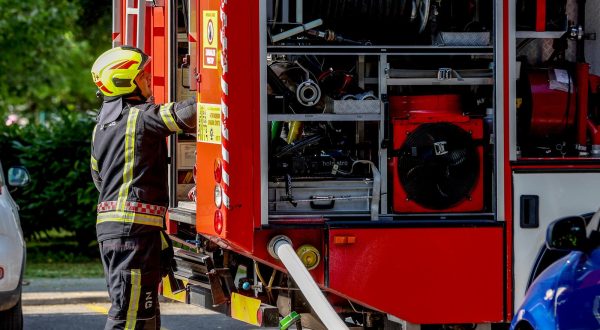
{"x": 167, "y": 262}
{"x": 186, "y": 113}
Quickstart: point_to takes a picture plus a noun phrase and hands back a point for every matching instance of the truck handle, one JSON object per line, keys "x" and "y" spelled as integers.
{"x": 185, "y": 63}
{"x": 314, "y": 203}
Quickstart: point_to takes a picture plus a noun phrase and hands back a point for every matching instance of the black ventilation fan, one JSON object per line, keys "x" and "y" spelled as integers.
{"x": 438, "y": 165}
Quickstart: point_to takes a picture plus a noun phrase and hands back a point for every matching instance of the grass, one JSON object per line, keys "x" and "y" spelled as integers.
{"x": 56, "y": 254}
{"x": 64, "y": 270}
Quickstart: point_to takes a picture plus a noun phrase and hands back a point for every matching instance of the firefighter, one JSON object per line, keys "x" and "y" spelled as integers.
{"x": 129, "y": 168}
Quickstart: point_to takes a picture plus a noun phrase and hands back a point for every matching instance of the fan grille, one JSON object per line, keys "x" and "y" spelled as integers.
{"x": 438, "y": 165}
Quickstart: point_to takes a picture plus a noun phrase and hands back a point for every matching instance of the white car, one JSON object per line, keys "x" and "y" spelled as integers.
{"x": 12, "y": 250}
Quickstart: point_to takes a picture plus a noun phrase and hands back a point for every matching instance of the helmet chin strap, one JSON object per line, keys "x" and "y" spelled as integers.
{"x": 100, "y": 96}
{"x": 137, "y": 94}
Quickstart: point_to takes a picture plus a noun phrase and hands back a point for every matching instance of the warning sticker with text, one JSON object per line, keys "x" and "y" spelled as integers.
{"x": 209, "y": 123}
{"x": 210, "y": 40}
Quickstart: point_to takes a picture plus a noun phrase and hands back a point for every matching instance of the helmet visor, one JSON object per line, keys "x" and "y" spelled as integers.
{"x": 145, "y": 60}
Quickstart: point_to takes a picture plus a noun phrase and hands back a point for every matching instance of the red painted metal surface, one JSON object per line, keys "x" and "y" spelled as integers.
{"x": 157, "y": 42}
{"x": 594, "y": 83}
{"x": 209, "y": 92}
{"x": 407, "y": 106}
{"x": 417, "y": 110}
{"x": 507, "y": 67}
{"x": 156, "y": 36}
{"x": 583, "y": 82}
{"x": 233, "y": 85}
{"x": 422, "y": 275}
{"x": 299, "y": 237}
{"x": 171, "y": 226}
{"x": 244, "y": 128}
{"x": 594, "y": 131}
{"x": 593, "y": 127}
{"x": 550, "y": 114}
{"x": 540, "y": 15}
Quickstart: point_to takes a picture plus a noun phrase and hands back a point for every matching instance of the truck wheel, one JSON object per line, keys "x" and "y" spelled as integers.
{"x": 12, "y": 319}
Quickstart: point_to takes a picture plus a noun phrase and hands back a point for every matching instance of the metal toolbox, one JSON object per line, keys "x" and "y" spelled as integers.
{"x": 321, "y": 196}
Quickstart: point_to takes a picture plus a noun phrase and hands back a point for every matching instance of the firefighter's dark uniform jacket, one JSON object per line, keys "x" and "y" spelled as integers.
{"x": 129, "y": 164}
{"x": 129, "y": 168}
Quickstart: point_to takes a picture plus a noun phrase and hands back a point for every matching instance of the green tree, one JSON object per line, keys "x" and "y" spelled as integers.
{"x": 46, "y": 51}
{"x": 48, "y": 48}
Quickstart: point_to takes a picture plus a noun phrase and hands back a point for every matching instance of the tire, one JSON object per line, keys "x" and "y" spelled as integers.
{"x": 523, "y": 326}
{"x": 12, "y": 319}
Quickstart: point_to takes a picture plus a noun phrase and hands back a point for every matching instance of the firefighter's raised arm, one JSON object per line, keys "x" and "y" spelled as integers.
{"x": 171, "y": 117}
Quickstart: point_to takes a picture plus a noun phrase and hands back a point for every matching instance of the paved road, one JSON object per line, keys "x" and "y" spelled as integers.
{"x": 82, "y": 304}
{"x": 90, "y": 316}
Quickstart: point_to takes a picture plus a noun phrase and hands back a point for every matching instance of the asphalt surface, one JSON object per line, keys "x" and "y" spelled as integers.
{"x": 73, "y": 304}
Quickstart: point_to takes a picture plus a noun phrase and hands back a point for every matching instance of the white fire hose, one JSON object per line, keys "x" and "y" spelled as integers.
{"x": 280, "y": 247}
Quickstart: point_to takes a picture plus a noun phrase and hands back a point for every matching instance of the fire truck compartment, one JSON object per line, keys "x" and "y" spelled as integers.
{"x": 420, "y": 274}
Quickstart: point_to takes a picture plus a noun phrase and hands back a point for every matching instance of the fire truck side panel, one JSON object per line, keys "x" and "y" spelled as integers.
{"x": 232, "y": 85}
{"x": 207, "y": 152}
{"x": 159, "y": 45}
{"x": 506, "y": 135}
{"x": 205, "y": 205}
{"x": 243, "y": 80}
{"x": 560, "y": 195}
{"x": 300, "y": 237}
{"x": 422, "y": 275}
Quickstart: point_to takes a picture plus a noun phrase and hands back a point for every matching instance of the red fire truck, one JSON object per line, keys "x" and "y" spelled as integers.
{"x": 371, "y": 163}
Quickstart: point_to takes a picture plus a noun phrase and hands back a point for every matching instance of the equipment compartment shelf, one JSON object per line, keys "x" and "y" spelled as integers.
{"x": 324, "y": 117}
{"x": 433, "y": 81}
{"x": 376, "y": 50}
{"x": 183, "y": 214}
{"x": 539, "y": 35}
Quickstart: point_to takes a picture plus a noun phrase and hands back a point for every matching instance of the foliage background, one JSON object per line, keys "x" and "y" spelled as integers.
{"x": 57, "y": 157}
{"x": 47, "y": 50}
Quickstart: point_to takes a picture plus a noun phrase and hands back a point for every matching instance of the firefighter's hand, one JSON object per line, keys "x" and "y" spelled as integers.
{"x": 185, "y": 111}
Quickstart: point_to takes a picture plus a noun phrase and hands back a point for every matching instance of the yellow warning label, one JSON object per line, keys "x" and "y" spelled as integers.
{"x": 210, "y": 39}
{"x": 209, "y": 123}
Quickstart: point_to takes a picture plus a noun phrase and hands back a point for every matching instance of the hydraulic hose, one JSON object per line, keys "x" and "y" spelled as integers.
{"x": 280, "y": 247}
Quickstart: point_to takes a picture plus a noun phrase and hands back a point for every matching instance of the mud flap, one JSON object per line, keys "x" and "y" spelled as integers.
{"x": 174, "y": 292}
{"x": 252, "y": 311}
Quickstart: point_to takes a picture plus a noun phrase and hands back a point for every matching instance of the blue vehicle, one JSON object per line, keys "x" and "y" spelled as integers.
{"x": 566, "y": 295}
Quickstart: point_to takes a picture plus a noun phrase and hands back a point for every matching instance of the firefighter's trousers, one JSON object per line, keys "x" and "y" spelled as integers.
{"x": 132, "y": 271}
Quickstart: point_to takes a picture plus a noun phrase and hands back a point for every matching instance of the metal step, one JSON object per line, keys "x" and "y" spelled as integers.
{"x": 192, "y": 266}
